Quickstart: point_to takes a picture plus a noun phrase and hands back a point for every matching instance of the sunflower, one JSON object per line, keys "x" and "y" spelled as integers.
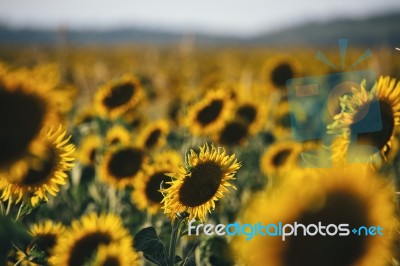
{"x": 85, "y": 237}
{"x": 44, "y": 238}
{"x": 209, "y": 115}
{"x": 116, "y": 255}
{"x": 42, "y": 173}
{"x": 278, "y": 69}
{"x": 196, "y": 188}
{"x": 89, "y": 149}
{"x": 146, "y": 194}
{"x": 117, "y": 97}
{"x": 253, "y": 113}
{"x": 118, "y": 135}
{"x": 386, "y": 93}
{"x": 353, "y": 196}
{"x": 120, "y": 166}
{"x": 280, "y": 157}
{"x": 233, "y": 133}
{"x": 24, "y": 110}
{"x": 153, "y": 134}
{"x": 170, "y": 158}
{"x": 281, "y": 121}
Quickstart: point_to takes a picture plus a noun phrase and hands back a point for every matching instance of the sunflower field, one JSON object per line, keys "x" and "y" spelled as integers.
{"x": 109, "y": 153}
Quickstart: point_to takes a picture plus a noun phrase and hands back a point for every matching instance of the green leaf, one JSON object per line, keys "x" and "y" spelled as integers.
{"x": 153, "y": 248}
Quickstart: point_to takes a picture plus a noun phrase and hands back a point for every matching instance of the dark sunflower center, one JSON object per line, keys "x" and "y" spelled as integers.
{"x": 202, "y": 185}
{"x": 233, "y": 134}
{"x": 281, "y": 157}
{"x": 85, "y": 247}
{"x": 210, "y": 113}
{"x": 281, "y": 73}
{"x": 248, "y": 113}
{"x": 112, "y": 261}
{"x": 126, "y": 163}
{"x": 153, "y": 185}
{"x": 119, "y": 95}
{"x": 21, "y": 118}
{"x": 340, "y": 207}
{"x": 44, "y": 242}
{"x": 41, "y": 173}
{"x": 153, "y": 138}
{"x": 379, "y": 138}
{"x": 285, "y": 121}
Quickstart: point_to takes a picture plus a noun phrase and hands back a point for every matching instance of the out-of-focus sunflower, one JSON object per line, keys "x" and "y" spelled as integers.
{"x": 387, "y": 94}
{"x": 45, "y": 235}
{"x": 134, "y": 119}
{"x": 116, "y": 255}
{"x": 42, "y": 173}
{"x": 233, "y": 133}
{"x": 24, "y": 111}
{"x": 280, "y": 157}
{"x": 353, "y": 196}
{"x": 84, "y": 116}
{"x": 146, "y": 194}
{"x": 253, "y": 113}
{"x": 118, "y": 135}
{"x": 82, "y": 241}
{"x": 203, "y": 181}
{"x": 281, "y": 121}
{"x": 278, "y": 69}
{"x": 89, "y": 150}
{"x": 171, "y": 158}
{"x": 120, "y": 166}
{"x": 117, "y": 97}
{"x": 209, "y": 114}
{"x": 153, "y": 134}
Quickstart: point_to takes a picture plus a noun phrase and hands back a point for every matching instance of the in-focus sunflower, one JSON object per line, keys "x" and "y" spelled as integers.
{"x": 203, "y": 181}
{"x": 24, "y": 111}
{"x": 41, "y": 172}
{"x": 233, "y": 133}
{"x": 146, "y": 194}
{"x": 116, "y": 255}
{"x": 44, "y": 238}
{"x": 82, "y": 241}
{"x": 119, "y": 96}
{"x": 387, "y": 94}
{"x": 353, "y": 196}
{"x": 278, "y": 69}
{"x": 252, "y": 113}
{"x": 120, "y": 166}
{"x": 118, "y": 135}
{"x": 209, "y": 114}
{"x": 280, "y": 157}
{"x": 153, "y": 134}
{"x": 89, "y": 149}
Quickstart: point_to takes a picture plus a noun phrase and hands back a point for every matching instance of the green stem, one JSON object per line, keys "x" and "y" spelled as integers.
{"x": 2, "y": 207}
{"x": 19, "y": 212}
{"x": 174, "y": 238}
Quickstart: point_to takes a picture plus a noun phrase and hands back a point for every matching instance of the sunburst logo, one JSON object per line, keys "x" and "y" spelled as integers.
{"x": 315, "y": 100}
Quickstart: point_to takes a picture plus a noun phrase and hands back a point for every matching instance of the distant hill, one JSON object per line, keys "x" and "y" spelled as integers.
{"x": 383, "y": 29}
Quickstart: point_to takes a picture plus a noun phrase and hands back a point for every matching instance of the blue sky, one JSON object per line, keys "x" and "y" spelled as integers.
{"x": 244, "y": 17}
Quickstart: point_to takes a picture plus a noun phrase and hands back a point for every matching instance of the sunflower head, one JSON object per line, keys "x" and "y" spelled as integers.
{"x": 45, "y": 236}
{"x": 118, "y": 135}
{"x": 116, "y": 255}
{"x": 278, "y": 69}
{"x": 196, "y": 187}
{"x": 42, "y": 171}
{"x": 355, "y": 109}
{"x": 233, "y": 133}
{"x": 253, "y": 113}
{"x": 352, "y": 195}
{"x": 153, "y": 135}
{"x": 89, "y": 149}
{"x": 85, "y": 237}
{"x": 24, "y": 110}
{"x": 120, "y": 166}
{"x": 209, "y": 114}
{"x": 119, "y": 96}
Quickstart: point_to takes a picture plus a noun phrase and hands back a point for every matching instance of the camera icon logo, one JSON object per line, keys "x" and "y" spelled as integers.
{"x": 314, "y": 101}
